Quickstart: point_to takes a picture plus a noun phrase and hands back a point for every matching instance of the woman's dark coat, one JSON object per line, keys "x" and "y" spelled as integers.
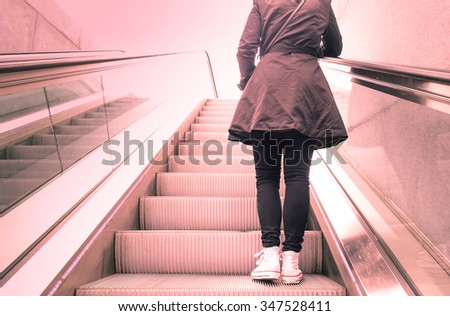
{"x": 287, "y": 89}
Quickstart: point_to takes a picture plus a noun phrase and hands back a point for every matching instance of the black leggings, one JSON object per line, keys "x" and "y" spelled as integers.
{"x": 270, "y": 149}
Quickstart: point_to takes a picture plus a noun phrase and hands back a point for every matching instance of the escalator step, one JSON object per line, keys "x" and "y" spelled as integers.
{"x": 221, "y": 128}
{"x": 65, "y": 139}
{"x": 19, "y": 168}
{"x": 31, "y": 152}
{"x": 211, "y": 164}
{"x": 214, "y": 148}
{"x": 206, "y": 252}
{"x": 46, "y": 152}
{"x": 228, "y": 114}
{"x": 207, "y": 285}
{"x": 206, "y": 136}
{"x": 198, "y": 213}
{"x": 100, "y": 115}
{"x": 207, "y": 184}
{"x": 88, "y": 121}
{"x": 212, "y": 120}
{"x": 221, "y": 102}
{"x": 116, "y": 109}
{"x": 222, "y": 108}
{"x": 83, "y": 130}
{"x": 12, "y": 189}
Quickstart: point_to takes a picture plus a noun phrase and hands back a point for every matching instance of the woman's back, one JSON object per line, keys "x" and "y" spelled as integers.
{"x": 287, "y": 90}
{"x": 304, "y": 30}
{"x": 312, "y": 24}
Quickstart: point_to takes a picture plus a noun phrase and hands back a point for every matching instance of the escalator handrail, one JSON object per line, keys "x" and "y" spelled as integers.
{"x": 426, "y": 74}
{"x": 418, "y": 85}
{"x": 20, "y": 64}
{"x": 15, "y": 62}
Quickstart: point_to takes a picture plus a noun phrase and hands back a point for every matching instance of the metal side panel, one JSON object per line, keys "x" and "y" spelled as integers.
{"x": 363, "y": 266}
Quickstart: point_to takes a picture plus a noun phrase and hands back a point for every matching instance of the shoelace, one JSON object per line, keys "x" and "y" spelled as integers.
{"x": 259, "y": 254}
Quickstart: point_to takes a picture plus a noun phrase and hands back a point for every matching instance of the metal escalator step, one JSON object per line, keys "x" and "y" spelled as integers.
{"x": 117, "y": 109}
{"x": 206, "y": 252}
{"x": 31, "y": 152}
{"x": 12, "y": 189}
{"x": 207, "y": 285}
{"x": 207, "y": 184}
{"x": 206, "y": 136}
{"x": 19, "y": 168}
{"x": 100, "y": 115}
{"x": 219, "y": 108}
{"x": 120, "y": 105}
{"x": 50, "y": 139}
{"x": 83, "y": 130}
{"x": 228, "y": 114}
{"x": 45, "y": 152}
{"x": 220, "y": 102}
{"x": 220, "y": 128}
{"x": 65, "y": 139}
{"x": 211, "y": 164}
{"x": 212, "y": 120}
{"x": 128, "y": 100}
{"x": 213, "y": 148}
{"x": 88, "y": 121}
{"x": 198, "y": 213}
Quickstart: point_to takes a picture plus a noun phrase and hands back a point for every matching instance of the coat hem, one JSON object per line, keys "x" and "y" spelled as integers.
{"x": 321, "y": 142}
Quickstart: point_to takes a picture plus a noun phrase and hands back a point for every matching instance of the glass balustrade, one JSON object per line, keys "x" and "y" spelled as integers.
{"x": 53, "y": 120}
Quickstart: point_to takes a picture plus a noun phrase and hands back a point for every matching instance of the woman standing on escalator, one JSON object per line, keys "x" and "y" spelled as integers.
{"x": 285, "y": 112}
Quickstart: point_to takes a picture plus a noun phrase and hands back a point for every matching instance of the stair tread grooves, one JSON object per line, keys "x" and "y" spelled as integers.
{"x": 202, "y": 284}
{"x": 209, "y": 251}
{"x": 182, "y": 212}
{"x": 215, "y": 147}
{"x": 208, "y": 184}
{"x": 211, "y": 164}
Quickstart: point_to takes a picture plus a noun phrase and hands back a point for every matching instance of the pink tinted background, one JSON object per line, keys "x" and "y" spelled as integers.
{"x": 160, "y": 26}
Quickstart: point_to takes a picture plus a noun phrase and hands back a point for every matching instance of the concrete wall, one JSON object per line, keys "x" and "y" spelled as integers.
{"x": 405, "y": 32}
{"x": 37, "y": 25}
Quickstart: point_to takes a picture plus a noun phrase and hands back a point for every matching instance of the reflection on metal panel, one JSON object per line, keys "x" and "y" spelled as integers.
{"x": 398, "y": 149}
{"x": 362, "y": 264}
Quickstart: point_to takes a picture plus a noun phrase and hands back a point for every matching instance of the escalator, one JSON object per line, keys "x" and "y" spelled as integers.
{"x": 152, "y": 199}
{"x": 198, "y": 234}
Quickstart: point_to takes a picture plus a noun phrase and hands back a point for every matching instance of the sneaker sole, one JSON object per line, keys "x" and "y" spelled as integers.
{"x": 266, "y": 276}
{"x": 291, "y": 279}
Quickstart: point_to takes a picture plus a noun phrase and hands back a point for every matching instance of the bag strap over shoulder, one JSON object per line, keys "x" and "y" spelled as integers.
{"x": 280, "y": 31}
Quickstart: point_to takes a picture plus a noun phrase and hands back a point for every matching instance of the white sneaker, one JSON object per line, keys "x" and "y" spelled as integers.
{"x": 290, "y": 273}
{"x": 268, "y": 264}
